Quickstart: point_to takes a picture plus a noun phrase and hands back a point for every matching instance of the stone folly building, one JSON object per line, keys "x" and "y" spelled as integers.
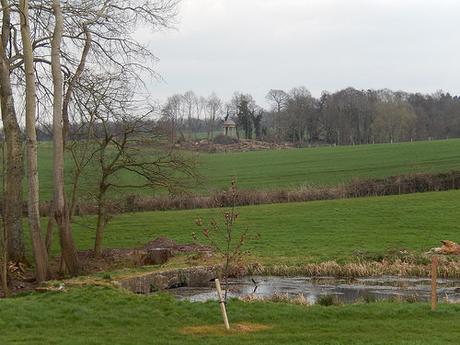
{"x": 230, "y": 128}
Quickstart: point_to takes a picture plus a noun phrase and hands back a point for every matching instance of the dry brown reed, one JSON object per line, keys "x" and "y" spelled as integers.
{"x": 446, "y": 269}
{"x": 298, "y": 299}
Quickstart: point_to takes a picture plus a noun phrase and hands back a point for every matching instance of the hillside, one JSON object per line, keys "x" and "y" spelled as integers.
{"x": 290, "y": 168}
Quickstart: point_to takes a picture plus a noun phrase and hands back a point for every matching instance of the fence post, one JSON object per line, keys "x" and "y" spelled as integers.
{"x": 434, "y": 275}
{"x": 222, "y": 305}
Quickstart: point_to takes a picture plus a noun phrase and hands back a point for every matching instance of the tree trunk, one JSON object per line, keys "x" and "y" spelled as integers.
{"x": 4, "y": 261}
{"x": 39, "y": 250}
{"x": 61, "y": 211}
{"x": 73, "y": 195}
{"x": 49, "y": 233}
{"x": 4, "y": 258}
{"x": 101, "y": 218}
{"x": 14, "y": 157}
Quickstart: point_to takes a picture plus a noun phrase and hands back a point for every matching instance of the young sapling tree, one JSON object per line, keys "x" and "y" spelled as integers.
{"x": 225, "y": 238}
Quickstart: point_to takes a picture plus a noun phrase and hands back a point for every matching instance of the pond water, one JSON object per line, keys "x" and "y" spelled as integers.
{"x": 344, "y": 290}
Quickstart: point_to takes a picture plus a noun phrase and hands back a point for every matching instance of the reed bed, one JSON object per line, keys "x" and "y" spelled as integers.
{"x": 447, "y": 269}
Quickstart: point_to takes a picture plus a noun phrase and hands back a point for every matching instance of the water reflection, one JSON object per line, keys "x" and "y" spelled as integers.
{"x": 346, "y": 291}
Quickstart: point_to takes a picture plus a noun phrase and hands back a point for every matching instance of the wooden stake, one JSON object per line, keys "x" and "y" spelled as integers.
{"x": 222, "y": 305}
{"x": 434, "y": 274}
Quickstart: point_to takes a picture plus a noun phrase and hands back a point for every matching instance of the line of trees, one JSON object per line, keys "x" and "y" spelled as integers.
{"x": 183, "y": 115}
{"x": 69, "y": 64}
{"x": 345, "y": 117}
{"x": 351, "y": 116}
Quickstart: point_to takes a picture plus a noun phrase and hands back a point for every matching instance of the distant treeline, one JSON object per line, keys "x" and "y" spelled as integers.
{"x": 345, "y": 117}
{"x": 353, "y": 116}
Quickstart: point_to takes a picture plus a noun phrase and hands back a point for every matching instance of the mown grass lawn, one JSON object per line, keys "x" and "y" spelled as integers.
{"x": 304, "y": 232}
{"x": 106, "y": 316}
{"x": 274, "y": 169}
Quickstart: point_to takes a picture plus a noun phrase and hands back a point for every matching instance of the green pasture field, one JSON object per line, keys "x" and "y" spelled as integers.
{"x": 295, "y": 233}
{"x": 291, "y": 168}
{"x": 92, "y": 316}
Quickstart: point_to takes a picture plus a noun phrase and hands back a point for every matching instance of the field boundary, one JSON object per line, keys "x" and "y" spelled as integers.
{"x": 370, "y": 187}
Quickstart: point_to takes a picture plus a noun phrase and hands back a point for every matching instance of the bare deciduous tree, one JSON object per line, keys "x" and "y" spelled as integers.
{"x": 214, "y": 108}
{"x": 224, "y": 237}
{"x": 14, "y": 157}
{"x": 61, "y": 211}
{"x": 117, "y": 141}
{"x": 172, "y": 113}
{"x": 38, "y": 246}
{"x": 278, "y": 99}
{"x": 190, "y": 104}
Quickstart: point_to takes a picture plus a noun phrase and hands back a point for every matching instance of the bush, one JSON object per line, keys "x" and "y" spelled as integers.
{"x": 327, "y": 300}
{"x": 224, "y": 140}
{"x": 369, "y": 298}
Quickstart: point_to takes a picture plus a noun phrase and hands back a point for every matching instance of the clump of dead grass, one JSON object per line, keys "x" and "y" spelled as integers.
{"x": 277, "y": 298}
{"x": 219, "y": 330}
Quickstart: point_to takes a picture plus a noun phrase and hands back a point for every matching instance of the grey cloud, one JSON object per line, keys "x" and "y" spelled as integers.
{"x": 255, "y": 45}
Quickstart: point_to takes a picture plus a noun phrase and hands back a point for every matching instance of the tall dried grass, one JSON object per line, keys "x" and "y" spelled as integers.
{"x": 446, "y": 269}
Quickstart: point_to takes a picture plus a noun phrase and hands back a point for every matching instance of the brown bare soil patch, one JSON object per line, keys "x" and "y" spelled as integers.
{"x": 117, "y": 258}
{"x": 242, "y": 145}
{"x": 235, "y": 329}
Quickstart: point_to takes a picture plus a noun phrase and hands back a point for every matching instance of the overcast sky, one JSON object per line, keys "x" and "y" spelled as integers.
{"x": 255, "y": 45}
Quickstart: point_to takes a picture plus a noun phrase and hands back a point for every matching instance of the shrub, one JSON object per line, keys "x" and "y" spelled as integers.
{"x": 224, "y": 140}
{"x": 369, "y": 298}
{"x": 328, "y": 300}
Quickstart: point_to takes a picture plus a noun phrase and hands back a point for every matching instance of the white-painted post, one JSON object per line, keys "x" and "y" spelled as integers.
{"x": 222, "y": 305}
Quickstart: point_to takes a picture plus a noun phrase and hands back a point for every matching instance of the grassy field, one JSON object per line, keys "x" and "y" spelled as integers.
{"x": 292, "y": 233}
{"x": 273, "y": 169}
{"x": 328, "y": 165}
{"x": 93, "y": 316}
{"x": 305, "y": 232}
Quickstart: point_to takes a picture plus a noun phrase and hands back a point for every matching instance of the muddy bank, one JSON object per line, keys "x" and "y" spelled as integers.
{"x": 158, "y": 281}
{"x": 155, "y": 252}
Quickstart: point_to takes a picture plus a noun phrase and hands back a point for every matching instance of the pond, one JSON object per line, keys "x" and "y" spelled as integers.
{"x": 344, "y": 290}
